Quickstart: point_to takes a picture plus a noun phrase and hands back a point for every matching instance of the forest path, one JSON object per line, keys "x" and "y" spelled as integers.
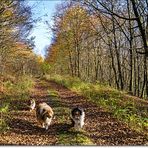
{"x": 100, "y": 126}
{"x": 24, "y": 128}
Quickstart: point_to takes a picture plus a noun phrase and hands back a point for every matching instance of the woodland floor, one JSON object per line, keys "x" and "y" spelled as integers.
{"x": 100, "y": 126}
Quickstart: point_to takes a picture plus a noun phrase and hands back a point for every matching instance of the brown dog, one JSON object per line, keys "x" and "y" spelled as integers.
{"x": 44, "y": 114}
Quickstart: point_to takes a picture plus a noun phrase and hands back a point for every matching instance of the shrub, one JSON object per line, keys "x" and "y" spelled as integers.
{"x": 20, "y": 89}
{"x": 3, "y": 111}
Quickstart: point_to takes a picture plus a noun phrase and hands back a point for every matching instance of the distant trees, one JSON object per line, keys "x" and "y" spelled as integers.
{"x": 70, "y": 33}
{"x": 104, "y": 41}
{"x": 16, "y": 56}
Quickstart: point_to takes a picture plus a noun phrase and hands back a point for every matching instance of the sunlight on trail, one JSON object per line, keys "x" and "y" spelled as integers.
{"x": 67, "y": 135}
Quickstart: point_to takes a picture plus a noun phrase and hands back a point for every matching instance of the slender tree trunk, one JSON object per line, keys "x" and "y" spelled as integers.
{"x": 145, "y": 84}
{"x": 113, "y": 66}
{"x": 138, "y": 71}
{"x": 78, "y": 63}
{"x": 70, "y": 64}
{"x": 131, "y": 48}
{"x": 117, "y": 55}
{"x": 96, "y": 67}
{"x": 135, "y": 76}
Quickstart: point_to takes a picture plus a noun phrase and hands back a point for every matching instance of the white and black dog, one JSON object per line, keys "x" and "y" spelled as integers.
{"x": 77, "y": 117}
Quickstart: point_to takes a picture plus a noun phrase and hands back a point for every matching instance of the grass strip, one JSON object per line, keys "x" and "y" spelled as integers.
{"x": 123, "y": 106}
{"x": 67, "y": 136}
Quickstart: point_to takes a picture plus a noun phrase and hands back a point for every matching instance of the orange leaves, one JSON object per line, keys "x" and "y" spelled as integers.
{"x": 22, "y": 50}
{"x": 40, "y": 59}
{"x": 52, "y": 53}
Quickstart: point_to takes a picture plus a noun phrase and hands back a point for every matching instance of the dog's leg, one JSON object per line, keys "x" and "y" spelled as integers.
{"x": 46, "y": 127}
{"x": 72, "y": 122}
{"x": 81, "y": 124}
{"x": 43, "y": 125}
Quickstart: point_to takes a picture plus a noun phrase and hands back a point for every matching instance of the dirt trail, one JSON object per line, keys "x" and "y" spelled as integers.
{"x": 101, "y": 126}
{"x": 24, "y": 129}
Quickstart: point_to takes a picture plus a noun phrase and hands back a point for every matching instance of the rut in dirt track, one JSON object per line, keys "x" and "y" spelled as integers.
{"x": 101, "y": 126}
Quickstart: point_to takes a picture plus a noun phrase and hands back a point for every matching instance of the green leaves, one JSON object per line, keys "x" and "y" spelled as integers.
{"x": 4, "y": 108}
{"x": 45, "y": 67}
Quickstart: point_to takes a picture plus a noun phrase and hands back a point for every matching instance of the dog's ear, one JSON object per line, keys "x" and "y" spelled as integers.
{"x": 82, "y": 109}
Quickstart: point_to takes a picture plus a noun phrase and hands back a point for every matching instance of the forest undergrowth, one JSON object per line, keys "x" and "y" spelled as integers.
{"x": 129, "y": 109}
{"x": 13, "y": 89}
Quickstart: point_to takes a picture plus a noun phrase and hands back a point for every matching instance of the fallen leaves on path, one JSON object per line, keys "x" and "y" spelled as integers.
{"x": 100, "y": 125}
